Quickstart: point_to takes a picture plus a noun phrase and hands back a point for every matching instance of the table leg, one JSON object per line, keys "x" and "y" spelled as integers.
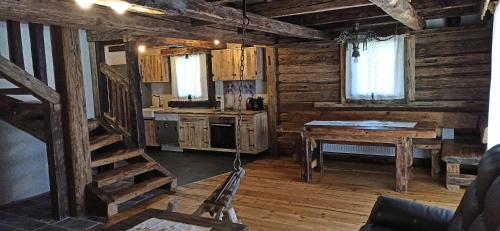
{"x": 321, "y": 163}
{"x": 307, "y": 175}
{"x": 402, "y": 162}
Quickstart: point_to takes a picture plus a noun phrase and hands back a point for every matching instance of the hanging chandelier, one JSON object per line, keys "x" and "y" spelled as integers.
{"x": 356, "y": 37}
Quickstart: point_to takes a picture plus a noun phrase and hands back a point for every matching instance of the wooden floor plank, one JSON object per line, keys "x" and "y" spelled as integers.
{"x": 272, "y": 196}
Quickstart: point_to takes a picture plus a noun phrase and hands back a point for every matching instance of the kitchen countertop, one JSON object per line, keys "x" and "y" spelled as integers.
{"x": 206, "y": 111}
{"x": 149, "y": 113}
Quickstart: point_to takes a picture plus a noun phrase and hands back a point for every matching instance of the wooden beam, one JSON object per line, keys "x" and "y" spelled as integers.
{"x": 205, "y": 11}
{"x": 38, "y": 51}
{"x": 183, "y": 51}
{"x": 271, "y": 60}
{"x": 14, "y": 91}
{"x": 402, "y": 11}
{"x": 69, "y": 83}
{"x": 21, "y": 78}
{"x": 348, "y": 15}
{"x": 134, "y": 76}
{"x": 15, "y": 44}
{"x": 67, "y": 13}
{"x": 150, "y": 41}
{"x": 56, "y": 160}
{"x": 277, "y": 9}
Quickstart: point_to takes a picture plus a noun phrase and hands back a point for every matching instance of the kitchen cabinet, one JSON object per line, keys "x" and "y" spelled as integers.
{"x": 150, "y": 132}
{"x": 226, "y": 64}
{"x": 194, "y": 132}
{"x": 254, "y": 133}
{"x": 154, "y": 68}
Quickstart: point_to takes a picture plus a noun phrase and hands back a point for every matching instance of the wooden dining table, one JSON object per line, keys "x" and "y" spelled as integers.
{"x": 398, "y": 134}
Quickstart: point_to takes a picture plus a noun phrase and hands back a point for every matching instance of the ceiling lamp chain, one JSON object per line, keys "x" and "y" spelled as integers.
{"x": 356, "y": 37}
{"x": 245, "y": 23}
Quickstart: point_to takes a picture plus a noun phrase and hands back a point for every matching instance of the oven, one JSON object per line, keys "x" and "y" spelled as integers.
{"x": 222, "y": 132}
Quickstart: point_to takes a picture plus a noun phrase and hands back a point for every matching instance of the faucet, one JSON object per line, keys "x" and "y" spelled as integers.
{"x": 159, "y": 100}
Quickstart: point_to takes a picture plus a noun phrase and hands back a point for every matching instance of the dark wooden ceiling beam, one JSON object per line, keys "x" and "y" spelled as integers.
{"x": 402, "y": 11}
{"x": 165, "y": 42}
{"x": 205, "y": 11}
{"x": 348, "y": 15}
{"x": 67, "y": 13}
{"x": 277, "y": 9}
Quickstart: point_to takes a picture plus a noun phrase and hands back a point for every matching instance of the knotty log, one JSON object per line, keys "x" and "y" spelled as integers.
{"x": 69, "y": 83}
{"x": 402, "y": 11}
{"x": 136, "y": 118}
{"x": 272, "y": 96}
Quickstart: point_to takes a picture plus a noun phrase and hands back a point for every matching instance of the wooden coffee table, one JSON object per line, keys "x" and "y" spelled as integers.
{"x": 215, "y": 225}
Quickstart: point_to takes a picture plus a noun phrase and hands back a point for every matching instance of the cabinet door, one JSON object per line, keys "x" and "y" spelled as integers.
{"x": 218, "y": 65}
{"x": 247, "y": 141}
{"x": 183, "y": 134}
{"x": 150, "y": 130}
{"x": 153, "y": 68}
{"x": 250, "y": 63}
{"x": 236, "y": 57}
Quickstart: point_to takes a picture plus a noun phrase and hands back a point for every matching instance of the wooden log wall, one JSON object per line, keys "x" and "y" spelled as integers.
{"x": 451, "y": 83}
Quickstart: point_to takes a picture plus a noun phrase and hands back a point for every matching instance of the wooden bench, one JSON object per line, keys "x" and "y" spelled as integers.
{"x": 434, "y": 145}
{"x": 457, "y": 154}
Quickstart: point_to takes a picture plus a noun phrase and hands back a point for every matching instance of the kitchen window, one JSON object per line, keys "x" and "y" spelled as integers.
{"x": 378, "y": 74}
{"x": 189, "y": 77}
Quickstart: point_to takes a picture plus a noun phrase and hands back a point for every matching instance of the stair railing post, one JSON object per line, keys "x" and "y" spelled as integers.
{"x": 133, "y": 74}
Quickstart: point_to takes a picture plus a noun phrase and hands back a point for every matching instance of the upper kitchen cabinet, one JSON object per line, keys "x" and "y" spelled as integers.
{"x": 154, "y": 69}
{"x": 226, "y": 64}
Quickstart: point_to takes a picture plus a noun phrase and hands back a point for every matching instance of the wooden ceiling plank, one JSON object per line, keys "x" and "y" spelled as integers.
{"x": 402, "y": 11}
{"x": 67, "y": 13}
{"x": 277, "y": 9}
{"x": 205, "y": 11}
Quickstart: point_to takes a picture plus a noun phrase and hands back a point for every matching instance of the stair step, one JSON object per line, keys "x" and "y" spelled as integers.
{"x": 14, "y": 91}
{"x": 138, "y": 189}
{"x": 121, "y": 173}
{"x": 112, "y": 157}
{"x": 100, "y": 141}
{"x": 93, "y": 125}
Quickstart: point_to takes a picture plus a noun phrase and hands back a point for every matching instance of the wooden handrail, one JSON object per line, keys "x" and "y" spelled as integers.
{"x": 23, "y": 79}
{"x": 114, "y": 75}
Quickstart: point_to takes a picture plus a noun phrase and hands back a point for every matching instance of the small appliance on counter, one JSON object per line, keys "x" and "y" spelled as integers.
{"x": 255, "y": 104}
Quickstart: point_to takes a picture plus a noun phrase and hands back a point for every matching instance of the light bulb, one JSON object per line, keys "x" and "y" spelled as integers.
{"x": 85, "y": 4}
{"x": 216, "y": 42}
{"x": 141, "y": 48}
{"x": 120, "y": 7}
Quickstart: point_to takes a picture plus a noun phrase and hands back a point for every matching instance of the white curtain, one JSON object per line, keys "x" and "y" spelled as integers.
{"x": 189, "y": 76}
{"x": 494, "y": 111}
{"x": 378, "y": 72}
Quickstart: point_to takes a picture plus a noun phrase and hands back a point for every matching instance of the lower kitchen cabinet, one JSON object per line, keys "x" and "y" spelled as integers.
{"x": 193, "y": 132}
{"x": 254, "y": 133}
{"x": 150, "y": 130}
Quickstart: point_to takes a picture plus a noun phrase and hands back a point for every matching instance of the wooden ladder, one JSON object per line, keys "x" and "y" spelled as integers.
{"x": 120, "y": 173}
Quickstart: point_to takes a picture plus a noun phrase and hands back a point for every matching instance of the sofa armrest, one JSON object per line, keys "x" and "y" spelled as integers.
{"x": 400, "y": 214}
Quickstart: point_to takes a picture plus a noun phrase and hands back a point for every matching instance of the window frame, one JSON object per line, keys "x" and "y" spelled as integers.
{"x": 409, "y": 79}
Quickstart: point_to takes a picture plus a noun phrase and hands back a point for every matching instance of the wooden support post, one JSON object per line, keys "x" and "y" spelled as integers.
{"x": 15, "y": 44}
{"x": 435, "y": 163}
{"x": 137, "y": 126}
{"x": 99, "y": 80}
{"x": 307, "y": 162}
{"x": 69, "y": 83}
{"x": 56, "y": 160}
{"x": 452, "y": 172}
{"x": 38, "y": 51}
{"x": 402, "y": 163}
{"x": 272, "y": 97}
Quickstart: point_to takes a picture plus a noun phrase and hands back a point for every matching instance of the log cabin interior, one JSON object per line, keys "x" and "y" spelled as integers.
{"x": 249, "y": 115}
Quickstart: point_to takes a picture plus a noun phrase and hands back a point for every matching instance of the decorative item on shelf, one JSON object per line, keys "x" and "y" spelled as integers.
{"x": 355, "y": 37}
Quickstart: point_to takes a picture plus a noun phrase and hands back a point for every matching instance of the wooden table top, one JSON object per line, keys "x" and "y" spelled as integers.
{"x": 177, "y": 217}
{"x": 374, "y": 128}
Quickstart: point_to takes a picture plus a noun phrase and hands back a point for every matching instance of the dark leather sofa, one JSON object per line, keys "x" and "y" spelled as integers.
{"x": 479, "y": 208}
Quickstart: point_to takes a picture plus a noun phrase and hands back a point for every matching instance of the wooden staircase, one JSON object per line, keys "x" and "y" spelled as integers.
{"x": 120, "y": 173}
